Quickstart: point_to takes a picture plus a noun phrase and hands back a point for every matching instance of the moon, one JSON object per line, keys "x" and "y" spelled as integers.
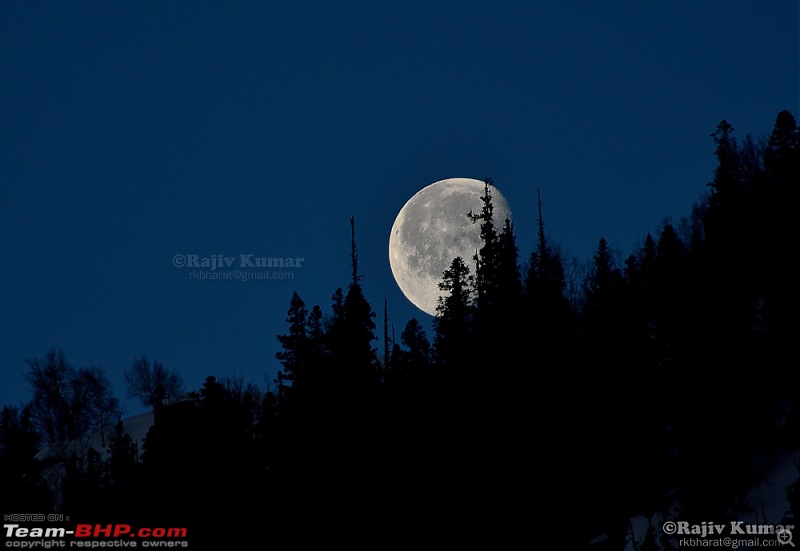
{"x": 433, "y": 228}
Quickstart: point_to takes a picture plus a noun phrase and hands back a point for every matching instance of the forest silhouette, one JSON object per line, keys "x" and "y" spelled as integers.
{"x": 552, "y": 402}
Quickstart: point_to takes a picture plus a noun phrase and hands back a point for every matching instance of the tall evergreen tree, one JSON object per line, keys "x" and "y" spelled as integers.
{"x": 417, "y": 344}
{"x": 726, "y": 175}
{"x": 604, "y": 398}
{"x": 387, "y": 351}
{"x": 509, "y": 283}
{"x": 411, "y": 364}
{"x": 711, "y": 315}
{"x": 352, "y": 332}
{"x": 546, "y": 388}
{"x": 781, "y": 299}
{"x": 486, "y": 257}
{"x": 549, "y": 314}
{"x": 82, "y": 483}
{"x": 122, "y": 472}
{"x": 454, "y": 314}
{"x": 295, "y": 354}
{"x": 497, "y": 292}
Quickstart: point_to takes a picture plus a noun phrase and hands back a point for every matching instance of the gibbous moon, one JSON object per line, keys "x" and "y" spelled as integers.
{"x": 433, "y": 228}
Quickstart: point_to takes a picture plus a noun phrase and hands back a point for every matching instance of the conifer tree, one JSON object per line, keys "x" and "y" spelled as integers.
{"x": 603, "y": 396}
{"x": 295, "y": 344}
{"x": 497, "y": 292}
{"x": 416, "y": 342}
{"x": 352, "y": 332}
{"x": 122, "y": 471}
{"x": 548, "y": 311}
{"x": 780, "y": 297}
{"x": 548, "y": 386}
{"x": 409, "y": 378}
{"x": 487, "y": 257}
{"x": 454, "y": 314}
{"x": 509, "y": 284}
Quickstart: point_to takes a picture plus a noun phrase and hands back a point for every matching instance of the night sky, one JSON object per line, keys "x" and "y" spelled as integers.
{"x": 134, "y": 132}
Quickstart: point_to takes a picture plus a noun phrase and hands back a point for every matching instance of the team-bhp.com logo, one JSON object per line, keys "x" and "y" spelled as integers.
{"x": 94, "y": 535}
{"x": 736, "y": 531}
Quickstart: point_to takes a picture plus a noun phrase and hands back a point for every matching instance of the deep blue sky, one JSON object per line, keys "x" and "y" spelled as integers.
{"x": 135, "y": 131}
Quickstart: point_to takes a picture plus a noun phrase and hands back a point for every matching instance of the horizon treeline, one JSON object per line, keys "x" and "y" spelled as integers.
{"x": 542, "y": 405}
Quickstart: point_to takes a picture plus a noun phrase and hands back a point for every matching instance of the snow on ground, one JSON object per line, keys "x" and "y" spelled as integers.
{"x": 136, "y": 426}
{"x": 768, "y": 498}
